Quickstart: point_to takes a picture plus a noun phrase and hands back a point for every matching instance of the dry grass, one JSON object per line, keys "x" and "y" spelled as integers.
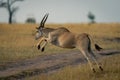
{"x": 17, "y": 43}
{"x": 17, "y": 40}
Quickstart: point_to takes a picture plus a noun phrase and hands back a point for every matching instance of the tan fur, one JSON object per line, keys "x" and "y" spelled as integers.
{"x": 62, "y": 37}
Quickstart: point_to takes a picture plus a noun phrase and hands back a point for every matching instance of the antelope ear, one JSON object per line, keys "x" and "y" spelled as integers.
{"x": 37, "y": 27}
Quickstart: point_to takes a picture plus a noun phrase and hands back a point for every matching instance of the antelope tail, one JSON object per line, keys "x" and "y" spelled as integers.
{"x": 97, "y": 47}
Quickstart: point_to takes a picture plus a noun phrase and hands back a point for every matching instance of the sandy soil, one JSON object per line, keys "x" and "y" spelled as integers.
{"x": 46, "y": 64}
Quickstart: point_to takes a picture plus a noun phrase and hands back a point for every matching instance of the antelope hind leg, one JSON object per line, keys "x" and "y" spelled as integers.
{"x": 95, "y": 60}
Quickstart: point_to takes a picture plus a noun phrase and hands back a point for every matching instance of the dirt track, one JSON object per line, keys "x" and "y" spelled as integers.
{"x": 46, "y": 64}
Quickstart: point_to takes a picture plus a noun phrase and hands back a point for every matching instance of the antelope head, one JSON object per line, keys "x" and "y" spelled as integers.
{"x": 39, "y": 32}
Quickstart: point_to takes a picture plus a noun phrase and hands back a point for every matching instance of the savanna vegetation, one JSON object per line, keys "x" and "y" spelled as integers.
{"x": 17, "y": 43}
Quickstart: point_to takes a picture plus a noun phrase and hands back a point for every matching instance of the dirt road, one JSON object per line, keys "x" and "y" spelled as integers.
{"x": 46, "y": 64}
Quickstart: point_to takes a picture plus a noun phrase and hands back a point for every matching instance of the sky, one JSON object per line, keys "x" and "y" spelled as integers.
{"x": 65, "y": 11}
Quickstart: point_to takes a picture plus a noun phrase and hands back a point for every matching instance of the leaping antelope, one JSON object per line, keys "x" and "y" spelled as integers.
{"x": 62, "y": 37}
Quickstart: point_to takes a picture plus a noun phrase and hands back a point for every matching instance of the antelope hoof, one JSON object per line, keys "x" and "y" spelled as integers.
{"x": 101, "y": 68}
{"x": 42, "y": 49}
{"x": 38, "y": 47}
{"x": 93, "y": 70}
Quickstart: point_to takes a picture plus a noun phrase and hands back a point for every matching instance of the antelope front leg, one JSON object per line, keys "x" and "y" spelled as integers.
{"x": 43, "y": 46}
{"x": 45, "y": 43}
{"x": 40, "y": 41}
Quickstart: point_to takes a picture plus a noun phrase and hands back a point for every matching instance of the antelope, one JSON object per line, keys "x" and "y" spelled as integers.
{"x": 62, "y": 37}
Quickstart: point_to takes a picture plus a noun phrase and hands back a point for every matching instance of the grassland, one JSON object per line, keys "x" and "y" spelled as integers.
{"x": 17, "y": 43}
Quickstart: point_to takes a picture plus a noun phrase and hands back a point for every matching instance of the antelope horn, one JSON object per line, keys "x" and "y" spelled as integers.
{"x": 44, "y": 20}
